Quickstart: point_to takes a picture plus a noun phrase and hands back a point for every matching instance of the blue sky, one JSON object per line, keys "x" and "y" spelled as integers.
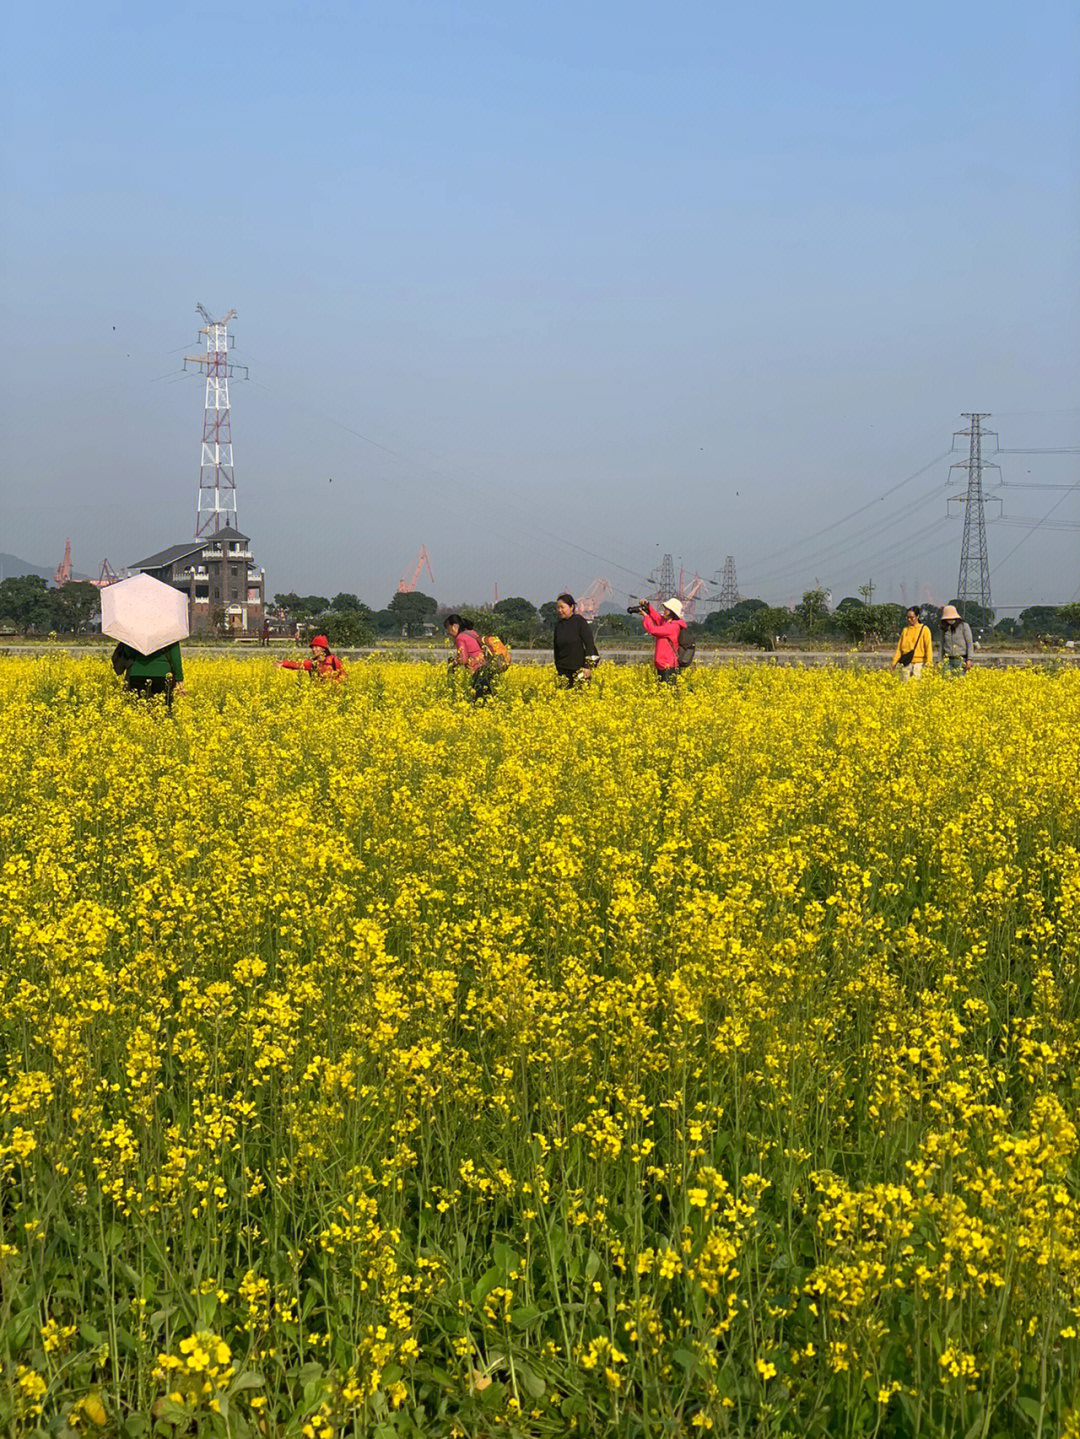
{"x": 551, "y": 290}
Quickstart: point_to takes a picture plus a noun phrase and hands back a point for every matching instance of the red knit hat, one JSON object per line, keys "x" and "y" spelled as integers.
{"x": 319, "y": 640}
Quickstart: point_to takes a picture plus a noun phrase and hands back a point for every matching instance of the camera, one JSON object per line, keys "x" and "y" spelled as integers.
{"x": 637, "y": 609}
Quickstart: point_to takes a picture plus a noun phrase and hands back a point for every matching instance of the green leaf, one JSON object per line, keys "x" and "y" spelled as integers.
{"x": 533, "y": 1385}
{"x": 1031, "y": 1407}
{"x": 505, "y": 1258}
{"x": 526, "y": 1316}
{"x": 483, "y": 1287}
{"x": 171, "y": 1412}
{"x": 248, "y": 1380}
{"x": 90, "y": 1334}
{"x": 494, "y": 1395}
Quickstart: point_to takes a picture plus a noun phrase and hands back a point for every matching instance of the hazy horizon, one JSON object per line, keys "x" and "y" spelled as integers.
{"x": 550, "y": 292}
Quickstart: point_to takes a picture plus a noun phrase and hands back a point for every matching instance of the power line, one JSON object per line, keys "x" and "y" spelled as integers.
{"x": 1023, "y": 540}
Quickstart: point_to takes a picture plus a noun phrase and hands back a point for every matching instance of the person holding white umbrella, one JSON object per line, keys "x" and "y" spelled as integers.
{"x": 149, "y": 619}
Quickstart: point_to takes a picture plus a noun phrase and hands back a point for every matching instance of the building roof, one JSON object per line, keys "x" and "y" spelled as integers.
{"x": 227, "y": 532}
{"x": 169, "y": 556}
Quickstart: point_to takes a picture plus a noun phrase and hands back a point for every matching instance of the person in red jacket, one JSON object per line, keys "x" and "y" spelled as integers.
{"x": 665, "y": 625}
{"x": 323, "y": 665}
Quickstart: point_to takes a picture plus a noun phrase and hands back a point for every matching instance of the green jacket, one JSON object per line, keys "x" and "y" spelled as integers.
{"x": 156, "y": 666}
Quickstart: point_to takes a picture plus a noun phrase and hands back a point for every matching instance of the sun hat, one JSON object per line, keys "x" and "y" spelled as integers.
{"x": 674, "y": 605}
{"x": 318, "y": 640}
{"x": 950, "y": 612}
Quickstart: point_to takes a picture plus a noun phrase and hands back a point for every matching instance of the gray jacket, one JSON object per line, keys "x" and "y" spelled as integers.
{"x": 956, "y": 640}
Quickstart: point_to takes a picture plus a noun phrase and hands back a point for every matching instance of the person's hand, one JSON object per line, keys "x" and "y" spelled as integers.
{"x": 179, "y": 689}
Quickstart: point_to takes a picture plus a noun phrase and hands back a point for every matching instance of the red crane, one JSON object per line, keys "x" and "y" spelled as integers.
{"x": 690, "y": 595}
{"x": 593, "y": 598}
{"x": 63, "y": 570}
{"x": 407, "y": 584}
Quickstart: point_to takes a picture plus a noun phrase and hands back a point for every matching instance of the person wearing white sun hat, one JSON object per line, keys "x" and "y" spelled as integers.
{"x": 665, "y": 625}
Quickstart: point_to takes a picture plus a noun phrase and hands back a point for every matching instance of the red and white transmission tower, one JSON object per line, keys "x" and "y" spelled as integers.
{"x": 217, "y": 483}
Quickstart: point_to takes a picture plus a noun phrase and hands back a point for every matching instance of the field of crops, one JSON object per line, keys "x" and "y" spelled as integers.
{"x": 631, "y": 1062}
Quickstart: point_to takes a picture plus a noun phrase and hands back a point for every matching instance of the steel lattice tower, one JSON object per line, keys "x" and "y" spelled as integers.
{"x": 217, "y": 482}
{"x": 973, "y": 585}
{"x": 729, "y": 585}
{"x": 665, "y": 585}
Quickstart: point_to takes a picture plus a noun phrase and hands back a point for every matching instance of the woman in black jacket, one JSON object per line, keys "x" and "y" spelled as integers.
{"x": 575, "y": 648}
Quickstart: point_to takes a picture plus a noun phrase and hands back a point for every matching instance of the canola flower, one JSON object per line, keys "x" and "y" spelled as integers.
{"x": 603, "y": 1062}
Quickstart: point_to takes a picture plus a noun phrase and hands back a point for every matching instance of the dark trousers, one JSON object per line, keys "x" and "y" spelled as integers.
{"x": 667, "y": 677}
{"x": 146, "y": 686}
{"x": 481, "y": 682}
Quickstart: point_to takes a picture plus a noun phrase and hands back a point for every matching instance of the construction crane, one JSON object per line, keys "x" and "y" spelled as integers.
{"x": 407, "y": 584}
{"x": 106, "y": 577}
{"x": 63, "y": 569}
{"x": 593, "y": 598}
{"x": 691, "y": 593}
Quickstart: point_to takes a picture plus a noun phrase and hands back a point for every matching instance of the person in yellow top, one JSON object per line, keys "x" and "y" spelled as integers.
{"x": 913, "y": 649}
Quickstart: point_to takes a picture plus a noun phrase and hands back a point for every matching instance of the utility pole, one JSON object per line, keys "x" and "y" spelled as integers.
{"x": 867, "y": 592}
{"x": 217, "y": 482}
{"x": 973, "y": 585}
{"x": 729, "y": 584}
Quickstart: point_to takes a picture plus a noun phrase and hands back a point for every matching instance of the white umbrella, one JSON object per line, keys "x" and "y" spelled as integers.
{"x": 144, "y": 613}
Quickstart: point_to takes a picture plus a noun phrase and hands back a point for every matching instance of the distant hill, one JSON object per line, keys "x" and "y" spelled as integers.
{"x": 11, "y": 568}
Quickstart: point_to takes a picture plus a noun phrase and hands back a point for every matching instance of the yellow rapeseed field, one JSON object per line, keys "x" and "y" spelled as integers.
{"x": 628, "y": 1062}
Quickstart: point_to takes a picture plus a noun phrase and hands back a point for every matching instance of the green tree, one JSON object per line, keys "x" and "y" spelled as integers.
{"x": 412, "y": 610}
{"x": 615, "y": 626}
{"x": 350, "y": 626}
{"x": 727, "y": 622}
{"x": 517, "y": 610}
{"x": 548, "y": 614}
{"x": 764, "y": 627}
{"x": 812, "y": 613}
{"x": 344, "y": 603}
{"x": 76, "y": 604}
{"x": 1041, "y": 620}
{"x": 979, "y": 617}
{"x": 27, "y": 603}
